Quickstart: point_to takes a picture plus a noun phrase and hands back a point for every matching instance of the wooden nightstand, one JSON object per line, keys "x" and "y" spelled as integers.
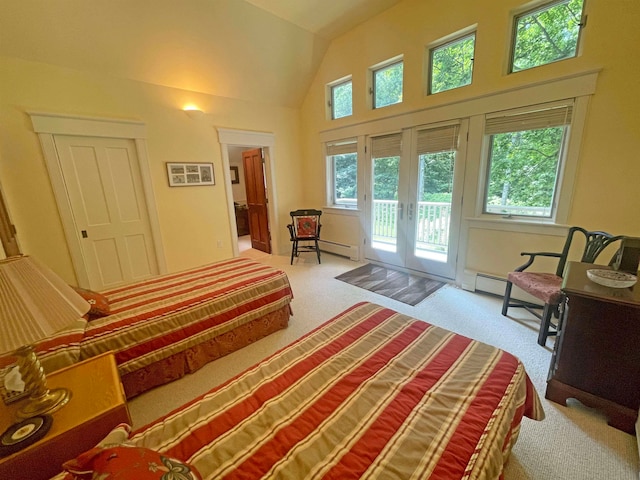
{"x": 97, "y": 405}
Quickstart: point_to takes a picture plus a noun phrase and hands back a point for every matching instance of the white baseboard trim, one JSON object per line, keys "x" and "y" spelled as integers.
{"x": 349, "y": 251}
{"x": 488, "y": 283}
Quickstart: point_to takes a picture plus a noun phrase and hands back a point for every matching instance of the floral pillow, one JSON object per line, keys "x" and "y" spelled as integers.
{"x": 115, "y": 459}
{"x": 306, "y": 226}
{"x": 99, "y": 304}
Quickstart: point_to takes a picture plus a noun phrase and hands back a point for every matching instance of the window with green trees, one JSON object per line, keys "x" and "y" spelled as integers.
{"x": 547, "y": 34}
{"x": 526, "y": 151}
{"x": 341, "y": 99}
{"x": 451, "y": 64}
{"x": 387, "y": 85}
{"x": 343, "y": 178}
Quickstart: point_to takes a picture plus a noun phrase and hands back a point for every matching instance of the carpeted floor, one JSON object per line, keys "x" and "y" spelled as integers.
{"x": 406, "y": 288}
{"x": 571, "y": 443}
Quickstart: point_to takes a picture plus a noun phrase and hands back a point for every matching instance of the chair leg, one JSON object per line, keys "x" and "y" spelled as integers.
{"x": 544, "y": 324}
{"x": 507, "y": 298}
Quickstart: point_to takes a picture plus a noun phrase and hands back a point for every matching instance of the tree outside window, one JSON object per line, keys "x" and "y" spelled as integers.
{"x": 345, "y": 180}
{"x": 451, "y": 64}
{"x": 547, "y": 34}
{"x": 341, "y": 100}
{"x": 523, "y": 172}
{"x": 387, "y": 85}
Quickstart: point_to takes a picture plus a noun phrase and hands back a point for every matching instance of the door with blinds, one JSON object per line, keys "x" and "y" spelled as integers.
{"x": 415, "y": 198}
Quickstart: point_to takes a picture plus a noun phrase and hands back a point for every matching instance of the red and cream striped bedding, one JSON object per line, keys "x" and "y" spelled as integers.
{"x": 156, "y": 318}
{"x": 370, "y": 394}
{"x": 161, "y": 328}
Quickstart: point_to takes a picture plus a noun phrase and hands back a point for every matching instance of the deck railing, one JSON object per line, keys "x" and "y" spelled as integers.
{"x": 432, "y": 231}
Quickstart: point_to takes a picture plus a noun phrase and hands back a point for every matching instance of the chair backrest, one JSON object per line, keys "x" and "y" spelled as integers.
{"x": 595, "y": 243}
{"x": 305, "y": 223}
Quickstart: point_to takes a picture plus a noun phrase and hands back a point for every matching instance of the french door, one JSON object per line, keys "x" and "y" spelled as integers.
{"x": 414, "y": 197}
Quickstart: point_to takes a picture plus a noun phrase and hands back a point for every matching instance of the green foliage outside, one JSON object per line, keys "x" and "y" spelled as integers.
{"x": 388, "y": 85}
{"x": 547, "y": 35}
{"x": 524, "y": 167}
{"x": 342, "y": 100}
{"x": 452, "y": 64}
{"x": 345, "y": 169}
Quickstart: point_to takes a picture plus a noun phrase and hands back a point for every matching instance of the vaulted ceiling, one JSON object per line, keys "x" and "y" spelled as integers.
{"x": 257, "y": 50}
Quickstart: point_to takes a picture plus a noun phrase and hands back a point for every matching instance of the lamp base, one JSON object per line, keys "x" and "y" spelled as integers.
{"x": 48, "y": 403}
{"x": 41, "y": 399}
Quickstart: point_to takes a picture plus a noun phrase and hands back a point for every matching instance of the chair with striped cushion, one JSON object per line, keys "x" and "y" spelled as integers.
{"x": 547, "y": 286}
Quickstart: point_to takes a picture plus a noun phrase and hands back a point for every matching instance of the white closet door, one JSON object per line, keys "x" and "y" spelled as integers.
{"x": 104, "y": 187}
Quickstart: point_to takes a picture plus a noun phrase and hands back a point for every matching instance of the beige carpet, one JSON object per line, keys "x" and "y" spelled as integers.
{"x": 572, "y": 443}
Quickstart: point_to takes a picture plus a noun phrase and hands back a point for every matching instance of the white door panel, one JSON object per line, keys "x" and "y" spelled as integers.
{"x": 104, "y": 186}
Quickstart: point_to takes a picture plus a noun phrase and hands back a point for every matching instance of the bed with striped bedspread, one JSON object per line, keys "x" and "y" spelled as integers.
{"x": 370, "y": 394}
{"x": 164, "y": 327}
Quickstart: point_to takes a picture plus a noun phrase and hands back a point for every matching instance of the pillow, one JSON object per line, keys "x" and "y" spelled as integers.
{"x": 98, "y": 302}
{"x": 114, "y": 459}
{"x": 306, "y": 226}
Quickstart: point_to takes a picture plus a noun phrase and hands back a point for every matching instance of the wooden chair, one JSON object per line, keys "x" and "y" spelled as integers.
{"x": 547, "y": 286}
{"x": 305, "y": 227}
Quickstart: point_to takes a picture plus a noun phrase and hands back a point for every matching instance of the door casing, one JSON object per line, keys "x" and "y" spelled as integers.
{"x": 46, "y": 125}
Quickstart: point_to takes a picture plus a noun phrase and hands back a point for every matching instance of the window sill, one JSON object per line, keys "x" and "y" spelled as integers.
{"x": 353, "y": 212}
{"x": 520, "y": 225}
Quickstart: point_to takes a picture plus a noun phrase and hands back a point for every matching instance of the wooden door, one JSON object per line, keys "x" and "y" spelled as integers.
{"x": 257, "y": 201}
{"x": 104, "y": 187}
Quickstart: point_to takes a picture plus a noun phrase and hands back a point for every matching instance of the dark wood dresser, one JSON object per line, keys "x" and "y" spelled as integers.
{"x": 242, "y": 220}
{"x": 596, "y": 358}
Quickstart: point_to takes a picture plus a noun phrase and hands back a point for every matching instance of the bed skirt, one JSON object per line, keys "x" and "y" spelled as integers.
{"x": 190, "y": 360}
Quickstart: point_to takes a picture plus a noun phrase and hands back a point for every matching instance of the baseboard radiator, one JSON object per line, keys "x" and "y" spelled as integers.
{"x": 349, "y": 251}
{"x": 485, "y": 282}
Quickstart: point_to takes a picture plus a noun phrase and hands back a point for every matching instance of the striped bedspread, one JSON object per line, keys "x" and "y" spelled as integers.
{"x": 156, "y": 318}
{"x": 370, "y": 394}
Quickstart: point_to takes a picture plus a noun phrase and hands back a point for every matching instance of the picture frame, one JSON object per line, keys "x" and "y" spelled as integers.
{"x": 190, "y": 174}
{"x": 235, "y": 176}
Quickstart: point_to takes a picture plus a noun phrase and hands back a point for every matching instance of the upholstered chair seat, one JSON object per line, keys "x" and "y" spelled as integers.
{"x": 544, "y": 286}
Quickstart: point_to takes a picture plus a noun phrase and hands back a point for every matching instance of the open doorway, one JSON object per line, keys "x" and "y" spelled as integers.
{"x": 239, "y": 193}
{"x": 233, "y": 143}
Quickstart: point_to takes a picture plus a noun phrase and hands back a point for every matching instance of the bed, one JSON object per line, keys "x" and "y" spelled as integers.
{"x": 165, "y": 327}
{"x": 370, "y": 394}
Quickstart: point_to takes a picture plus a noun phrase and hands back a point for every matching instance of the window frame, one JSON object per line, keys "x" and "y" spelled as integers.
{"x": 458, "y": 36}
{"x": 330, "y": 98}
{"x": 330, "y": 182}
{"x": 567, "y": 167}
{"x": 530, "y": 9}
{"x": 372, "y": 79}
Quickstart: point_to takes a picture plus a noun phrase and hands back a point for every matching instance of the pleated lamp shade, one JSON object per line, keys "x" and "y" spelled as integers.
{"x": 34, "y": 302}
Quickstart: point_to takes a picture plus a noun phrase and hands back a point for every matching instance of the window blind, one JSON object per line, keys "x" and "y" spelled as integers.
{"x": 386, "y": 146}
{"x": 342, "y": 147}
{"x": 441, "y": 139}
{"x": 544, "y": 118}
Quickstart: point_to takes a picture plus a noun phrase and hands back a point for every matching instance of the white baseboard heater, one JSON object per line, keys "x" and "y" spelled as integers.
{"x": 349, "y": 251}
{"x": 488, "y": 283}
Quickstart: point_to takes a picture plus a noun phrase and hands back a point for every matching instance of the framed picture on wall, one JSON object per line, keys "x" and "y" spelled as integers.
{"x": 234, "y": 175}
{"x": 190, "y": 174}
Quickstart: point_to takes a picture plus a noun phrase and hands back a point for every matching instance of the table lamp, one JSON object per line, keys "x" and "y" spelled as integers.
{"x": 34, "y": 303}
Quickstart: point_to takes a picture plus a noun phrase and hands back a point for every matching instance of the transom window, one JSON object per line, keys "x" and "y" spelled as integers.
{"x": 547, "y": 34}
{"x": 387, "y": 84}
{"x": 341, "y": 101}
{"x": 451, "y": 64}
{"x": 525, "y": 156}
{"x": 342, "y": 163}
